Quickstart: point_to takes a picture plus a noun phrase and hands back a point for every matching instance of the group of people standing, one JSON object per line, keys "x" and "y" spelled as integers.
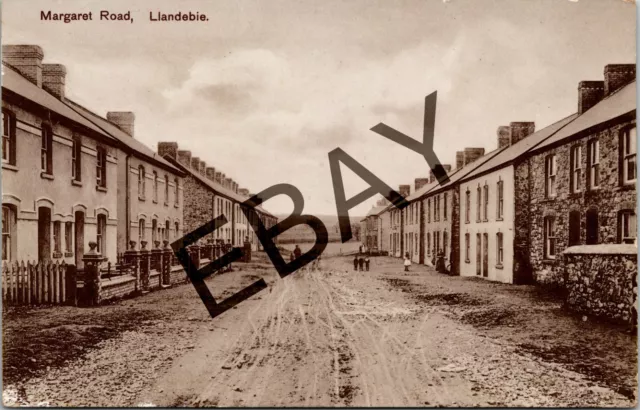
{"x": 361, "y": 261}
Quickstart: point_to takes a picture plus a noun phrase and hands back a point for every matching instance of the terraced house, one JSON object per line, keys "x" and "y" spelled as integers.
{"x": 59, "y": 170}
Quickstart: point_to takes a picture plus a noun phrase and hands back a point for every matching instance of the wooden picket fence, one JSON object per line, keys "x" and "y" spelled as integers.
{"x": 34, "y": 283}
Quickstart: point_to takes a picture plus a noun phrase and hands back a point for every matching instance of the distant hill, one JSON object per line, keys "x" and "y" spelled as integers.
{"x": 303, "y": 233}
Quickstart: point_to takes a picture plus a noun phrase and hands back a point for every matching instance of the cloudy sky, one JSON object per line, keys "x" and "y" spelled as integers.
{"x": 263, "y": 90}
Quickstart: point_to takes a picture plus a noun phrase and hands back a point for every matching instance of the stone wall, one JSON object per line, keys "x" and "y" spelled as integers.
{"x": 522, "y": 272}
{"x": 601, "y": 280}
{"x": 609, "y": 199}
{"x": 198, "y": 205}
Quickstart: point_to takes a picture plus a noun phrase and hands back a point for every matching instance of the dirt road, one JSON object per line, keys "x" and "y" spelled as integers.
{"x": 334, "y": 337}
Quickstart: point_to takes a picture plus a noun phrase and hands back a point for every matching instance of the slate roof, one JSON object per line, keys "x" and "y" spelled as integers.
{"x": 126, "y": 139}
{"x": 514, "y": 151}
{"x": 614, "y": 105}
{"x": 15, "y": 82}
{"x": 375, "y": 210}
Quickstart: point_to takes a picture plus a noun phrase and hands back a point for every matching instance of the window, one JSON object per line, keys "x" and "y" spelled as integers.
{"x": 167, "y": 229}
{"x": 176, "y": 200}
{"x": 574, "y": 228}
{"x": 629, "y": 147}
{"x": 68, "y": 241}
{"x": 141, "y": 231}
{"x": 8, "y": 137}
{"x": 154, "y": 232}
{"x": 7, "y": 232}
{"x": 436, "y": 216}
{"x": 467, "y": 210}
{"x": 415, "y": 240}
{"x": 46, "y": 164}
{"x": 485, "y": 215}
{"x": 593, "y": 166}
{"x": 429, "y": 243}
{"x": 549, "y": 237}
{"x": 445, "y": 206}
{"x": 76, "y": 160}
{"x": 429, "y": 210}
{"x": 177, "y": 229}
{"x": 592, "y": 226}
{"x": 500, "y": 200}
{"x": 166, "y": 189}
{"x": 445, "y": 243}
{"x": 101, "y": 167}
{"x": 550, "y": 176}
{"x": 141, "y": 182}
{"x": 467, "y": 247}
{"x": 576, "y": 168}
{"x": 626, "y": 226}
{"x": 499, "y": 249}
{"x": 478, "y": 203}
{"x": 56, "y": 238}
{"x": 101, "y": 231}
{"x": 155, "y": 186}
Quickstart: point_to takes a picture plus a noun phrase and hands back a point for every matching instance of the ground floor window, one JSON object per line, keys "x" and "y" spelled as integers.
{"x": 8, "y": 231}
{"x": 141, "y": 233}
{"x": 101, "y": 231}
{"x": 499, "y": 249}
{"x": 627, "y": 227}
{"x": 549, "y": 237}
{"x": 56, "y": 238}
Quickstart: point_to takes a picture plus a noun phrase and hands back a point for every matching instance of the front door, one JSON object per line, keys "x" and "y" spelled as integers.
{"x": 78, "y": 238}
{"x": 478, "y": 254}
{"x": 485, "y": 256}
{"x": 44, "y": 234}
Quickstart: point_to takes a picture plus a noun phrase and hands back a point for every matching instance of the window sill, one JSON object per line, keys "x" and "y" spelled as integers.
{"x": 56, "y": 255}
{"x": 499, "y": 266}
{"x": 141, "y": 198}
{"x": 44, "y": 175}
{"x": 500, "y": 219}
{"x": 155, "y": 201}
{"x": 9, "y": 167}
{"x": 75, "y": 182}
{"x": 485, "y": 220}
{"x": 101, "y": 189}
{"x": 629, "y": 186}
{"x": 548, "y": 261}
{"x": 68, "y": 254}
{"x": 467, "y": 261}
{"x": 166, "y": 204}
{"x": 176, "y": 206}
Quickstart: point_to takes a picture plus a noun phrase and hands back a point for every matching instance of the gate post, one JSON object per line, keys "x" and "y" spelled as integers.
{"x": 92, "y": 286}
{"x": 167, "y": 252}
{"x": 156, "y": 257}
{"x": 132, "y": 258}
{"x": 145, "y": 257}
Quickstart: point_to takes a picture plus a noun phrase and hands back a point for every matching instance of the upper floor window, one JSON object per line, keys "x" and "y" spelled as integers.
{"x": 485, "y": 214}
{"x": 166, "y": 189}
{"x": 8, "y": 137}
{"x": 76, "y": 159}
{"x": 467, "y": 204}
{"x": 593, "y": 167}
{"x": 429, "y": 210}
{"x": 500, "y": 200}
{"x": 576, "y": 168}
{"x": 478, "y": 203}
{"x": 46, "y": 150}
{"x": 176, "y": 200}
{"x": 101, "y": 167}
{"x": 141, "y": 182}
{"x": 549, "y": 237}
{"x": 627, "y": 226}
{"x": 444, "y": 209}
{"x": 550, "y": 176}
{"x": 436, "y": 215}
{"x": 629, "y": 155}
{"x": 155, "y": 186}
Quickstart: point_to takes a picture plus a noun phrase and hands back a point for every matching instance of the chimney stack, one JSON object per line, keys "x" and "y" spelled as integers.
{"x": 459, "y": 159}
{"x": 211, "y": 173}
{"x": 218, "y": 177}
{"x": 26, "y": 59}
{"x": 203, "y": 168}
{"x": 123, "y": 120}
{"x": 419, "y": 183}
{"x": 184, "y": 157}
{"x": 168, "y": 149}
{"x": 589, "y": 94}
{"x": 243, "y": 191}
{"x": 520, "y": 130}
{"x": 617, "y": 75}
{"x": 404, "y": 190}
{"x": 223, "y": 179}
{"x": 53, "y": 76}
{"x": 195, "y": 164}
{"x": 504, "y": 136}
{"x": 472, "y": 154}
{"x": 227, "y": 183}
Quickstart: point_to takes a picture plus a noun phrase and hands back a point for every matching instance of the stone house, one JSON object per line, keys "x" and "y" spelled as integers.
{"x": 582, "y": 180}
{"x": 59, "y": 170}
{"x": 370, "y": 227}
{"x": 391, "y": 226}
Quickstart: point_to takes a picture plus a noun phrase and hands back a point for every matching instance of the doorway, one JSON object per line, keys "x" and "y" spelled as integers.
{"x": 44, "y": 234}
{"x": 78, "y": 238}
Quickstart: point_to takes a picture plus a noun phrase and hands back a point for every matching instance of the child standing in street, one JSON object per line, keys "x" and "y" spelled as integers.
{"x": 366, "y": 263}
{"x": 407, "y": 262}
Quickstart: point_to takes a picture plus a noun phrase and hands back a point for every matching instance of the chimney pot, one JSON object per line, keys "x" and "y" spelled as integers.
{"x": 589, "y": 94}
{"x": 520, "y": 130}
{"x": 26, "y": 59}
{"x": 124, "y": 120}
{"x": 211, "y": 173}
{"x": 168, "y": 149}
{"x": 420, "y": 182}
{"x": 227, "y": 183}
{"x": 53, "y": 79}
{"x": 184, "y": 157}
{"x": 459, "y": 159}
{"x": 218, "y": 177}
{"x": 404, "y": 190}
{"x": 203, "y": 168}
{"x": 504, "y": 136}
{"x": 195, "y": 164}
{"x": 617, "y": 75}
{"x": 472, "y": 154}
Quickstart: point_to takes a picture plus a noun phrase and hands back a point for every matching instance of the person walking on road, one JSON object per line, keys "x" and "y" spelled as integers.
{"x": 355, "y": 263}
{"x": 297, "y": 252}
{"x": 407, "y": 262}
{"x": 366, "y": 263}
{"x": 361, "y": 263}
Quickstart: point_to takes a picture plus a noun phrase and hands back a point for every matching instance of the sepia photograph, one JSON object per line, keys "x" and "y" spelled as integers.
{"x": 319, "y": 204}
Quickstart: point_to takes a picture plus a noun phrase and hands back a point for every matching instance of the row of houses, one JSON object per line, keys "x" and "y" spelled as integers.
{"x": 509, "y": 213}
{"x": 71, "y": 176}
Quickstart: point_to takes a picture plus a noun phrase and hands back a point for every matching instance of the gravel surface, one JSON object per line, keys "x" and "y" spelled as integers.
{"x": 331, "y": 337}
